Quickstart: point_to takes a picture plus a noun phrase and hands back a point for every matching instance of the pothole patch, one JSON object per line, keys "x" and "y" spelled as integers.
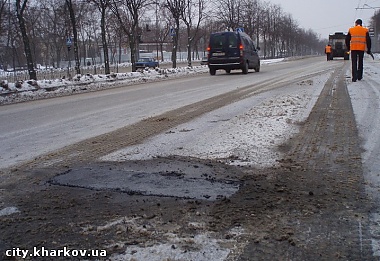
{"x": 165, "y": 177}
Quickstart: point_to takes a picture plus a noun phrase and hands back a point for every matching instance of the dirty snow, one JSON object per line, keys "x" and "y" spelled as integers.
{"x": 202, "y": 246}
{"x": 243, "y": 133}
{"x": 8, "y": 211}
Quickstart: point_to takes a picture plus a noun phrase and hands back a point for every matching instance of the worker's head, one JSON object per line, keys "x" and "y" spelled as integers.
{"x": 359, "y": 22}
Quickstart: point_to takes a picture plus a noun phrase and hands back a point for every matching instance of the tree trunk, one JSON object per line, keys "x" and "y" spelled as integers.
{"x": 75, "y": 34}
{"x": 175, "y": 45}
{"x": 162, "y": 52}
{"x": 132, "y": 45}
{"x": 174, "y": 51}
{"x": 28, "y": 52}
{"x": 104, "y": 41}
{"x": 189, "y": 41}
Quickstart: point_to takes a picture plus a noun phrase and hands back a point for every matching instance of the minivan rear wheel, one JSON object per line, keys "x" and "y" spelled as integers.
{"x": 245, "y": 67}
{"x": 212, "y": 71}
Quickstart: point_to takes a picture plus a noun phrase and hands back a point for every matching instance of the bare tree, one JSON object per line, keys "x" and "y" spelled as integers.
{"x": 103, "y": 5}
{"x": 229, "y": 13}
{"x": 250, "y": 12}
{"x": 88, "y": 25}
{"x": 162, "y": 36}
{"x": 73, "y": 21}
{"x": 50, "y": 25}
{"x": 161, "y": 28}
{"x": 274, "y": 29}
{"x": 288, "y": 30}
{"x": 176, "y": 8}
{"x": 2, "y": 15}
{"x": 193, "y": 10}
{"x": 7, "y": 32}
{"x": 13, "y": 51}
{"x": 128, "y": 12}
{"x": 20, "y": 11}
{"x": 375, "y": 24}
{"x": 36, "y": 34}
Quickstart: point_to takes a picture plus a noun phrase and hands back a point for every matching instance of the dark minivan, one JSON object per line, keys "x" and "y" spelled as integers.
{"x": 231, "y": 51}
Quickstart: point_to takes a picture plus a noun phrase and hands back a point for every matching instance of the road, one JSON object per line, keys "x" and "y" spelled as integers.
{"x": 315, "y": 205}
{"x": 47, "y": 125}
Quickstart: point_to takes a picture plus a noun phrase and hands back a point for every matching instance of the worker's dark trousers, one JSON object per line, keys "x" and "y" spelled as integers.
{"x": 357, "y": 64}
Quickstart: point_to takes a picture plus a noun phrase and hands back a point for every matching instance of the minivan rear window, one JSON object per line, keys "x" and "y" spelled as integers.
{"x": 218, "y": 41}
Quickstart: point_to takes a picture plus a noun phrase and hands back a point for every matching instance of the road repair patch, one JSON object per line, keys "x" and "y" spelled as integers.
{"x": 165, "y": 177}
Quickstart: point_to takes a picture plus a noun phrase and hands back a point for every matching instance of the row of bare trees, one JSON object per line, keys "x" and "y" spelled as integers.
{"x": 375, "y": 25}
{"x": 37, "y": 32}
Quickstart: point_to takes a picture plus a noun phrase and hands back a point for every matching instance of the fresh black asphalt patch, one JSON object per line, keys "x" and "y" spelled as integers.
{"x": 189, "y": 179}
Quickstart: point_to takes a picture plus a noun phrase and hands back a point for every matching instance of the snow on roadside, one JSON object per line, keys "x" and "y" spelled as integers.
{"x": 201, "y": 247}
{"x": 243, "y": 133}
{"x": 365, "y": 96}
{"x": 43, "y": 89}
{"x": 200, "y": 244}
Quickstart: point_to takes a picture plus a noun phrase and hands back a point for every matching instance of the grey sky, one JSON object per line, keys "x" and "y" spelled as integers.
{"x": 328, "y": 16}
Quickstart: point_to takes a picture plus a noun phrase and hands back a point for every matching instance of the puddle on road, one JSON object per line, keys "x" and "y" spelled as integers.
{"x": 166, "y": 177}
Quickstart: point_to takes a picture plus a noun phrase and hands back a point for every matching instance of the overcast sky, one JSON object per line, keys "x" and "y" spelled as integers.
{"x": 328, "y": 16}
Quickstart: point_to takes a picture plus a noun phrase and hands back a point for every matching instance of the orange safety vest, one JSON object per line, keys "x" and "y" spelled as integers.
{"x": 328, "y": 49}
{"x": 358, "y": 38}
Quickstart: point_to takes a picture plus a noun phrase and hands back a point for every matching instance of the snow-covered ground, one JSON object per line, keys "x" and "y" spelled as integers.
{"x": 41, "y": 89}
{"x": 32, "y": 90}
{"x": 243, "y": 133}
{"x": 365, "y": 98}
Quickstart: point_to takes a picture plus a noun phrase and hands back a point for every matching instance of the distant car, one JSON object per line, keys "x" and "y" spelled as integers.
{"x": 232, "y": 51}
{"x": 143, "y": 63}
{"x": 204, "y": 60}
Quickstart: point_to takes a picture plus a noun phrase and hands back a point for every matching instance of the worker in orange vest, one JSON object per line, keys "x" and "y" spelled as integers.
{"x": 328, "y": 50}
{"x": 358, "y": 40}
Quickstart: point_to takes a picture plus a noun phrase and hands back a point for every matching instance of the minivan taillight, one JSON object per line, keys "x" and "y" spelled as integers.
{"x": 241, "y": 48}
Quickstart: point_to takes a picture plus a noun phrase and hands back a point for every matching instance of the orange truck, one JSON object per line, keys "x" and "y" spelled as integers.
{"x": 339, "y": 48}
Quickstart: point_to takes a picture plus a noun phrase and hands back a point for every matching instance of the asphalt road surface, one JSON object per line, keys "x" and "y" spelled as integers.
{"x": 313, "y": 206}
